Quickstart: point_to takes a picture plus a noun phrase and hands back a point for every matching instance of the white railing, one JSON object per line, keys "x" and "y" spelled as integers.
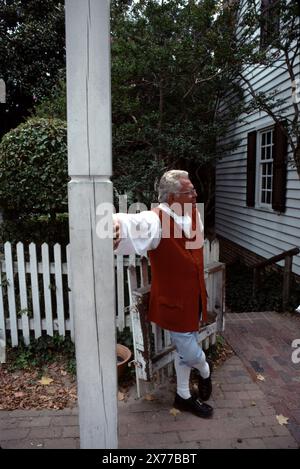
{"x": 35, "y": 293}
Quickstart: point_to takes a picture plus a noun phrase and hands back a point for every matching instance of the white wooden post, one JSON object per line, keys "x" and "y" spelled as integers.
{"x": 92, "y": 262}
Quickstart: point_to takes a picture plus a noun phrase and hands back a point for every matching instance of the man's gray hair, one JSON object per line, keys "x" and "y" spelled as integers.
{"x": 170, "y": 183}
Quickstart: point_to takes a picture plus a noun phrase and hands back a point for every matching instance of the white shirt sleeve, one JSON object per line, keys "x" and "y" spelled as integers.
{"x": 140, "y": 232}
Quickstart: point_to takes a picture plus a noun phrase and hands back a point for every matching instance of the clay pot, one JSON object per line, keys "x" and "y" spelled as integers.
{"x": 123, "y": 357}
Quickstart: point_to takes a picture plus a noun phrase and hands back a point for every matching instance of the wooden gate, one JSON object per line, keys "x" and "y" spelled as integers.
{"x": 153, "y": 352}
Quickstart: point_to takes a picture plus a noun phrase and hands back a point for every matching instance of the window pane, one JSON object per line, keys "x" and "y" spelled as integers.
{"x": 263, "y": 183}
{"x": 268, "y": 197}
{"x": 266, "y": 169}
{"x": 263, "y": 198}
{"x": 269, "y": 183}
{"x": 263, "y": 153}
{"x": 269, "y": 138}
{"x": 268, "y": 156}
{"x": 263, "y": 139}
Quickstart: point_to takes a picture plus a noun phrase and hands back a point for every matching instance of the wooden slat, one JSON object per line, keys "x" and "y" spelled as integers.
{"x": 167, "y": 342}
{"x": 47, "y": 290}
{"x": 35, "y": 291}
{"x": 144, "y": 272}
{"x": 132, "y": 260}
{"x": 120, "y": 293}
{"x": 209, "y": 290}
{"x": 39, "y": 268}
{"x": 155, "y": 336}
{"x": 214, "y": 251}
{"x": 126, "y": 261}
{"x": 158, "y": 339}
{"x": 219, "y": 306}
{"x": 206, "y": 252}
{"x": 132, "y": 282}
{"x": 205, "y": 344}
{"x": 213, "y": 291}
{"x": 59, "y": 290}
{"x": 72, "y": 331}
{"x": 23, "y": 293}
{"x": 214, "y": 267}
{"x": 43, "y": 323}
{"x": 164, "y": 361}
{"x": 11, "y": 294}
{"x": 213, "y": 338}
{"x": 2, "y": 322}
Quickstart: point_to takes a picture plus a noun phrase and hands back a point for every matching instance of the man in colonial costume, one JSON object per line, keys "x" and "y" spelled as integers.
{"x": 172, "y": 236}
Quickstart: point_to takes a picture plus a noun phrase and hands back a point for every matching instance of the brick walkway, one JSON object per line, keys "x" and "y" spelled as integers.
{"x": 263, "y": 342}
{"x": 245, "y": 408}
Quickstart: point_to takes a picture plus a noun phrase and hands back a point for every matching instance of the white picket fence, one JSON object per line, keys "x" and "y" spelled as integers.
{"x": 35, "y": 293}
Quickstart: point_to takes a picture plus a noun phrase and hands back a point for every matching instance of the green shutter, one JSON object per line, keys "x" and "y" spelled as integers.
{"x": 251, "y": 168}
{"x": 279, "y": 169}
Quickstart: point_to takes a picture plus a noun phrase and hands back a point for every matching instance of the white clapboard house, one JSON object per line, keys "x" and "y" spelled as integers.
{"x": 257, "y": 189}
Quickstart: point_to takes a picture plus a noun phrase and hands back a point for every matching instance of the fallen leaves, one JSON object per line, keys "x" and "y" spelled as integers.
{"x": 53, "y": 387}
{"x": 174, "y": 412}
{"x": 149, "y": 397}
{"x": 45, "y": 381}
{"x": 282, "y": 420}
{"x": 260, "y": 377}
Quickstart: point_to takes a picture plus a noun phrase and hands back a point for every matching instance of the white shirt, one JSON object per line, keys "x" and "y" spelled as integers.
{"x": 141, "y": 232}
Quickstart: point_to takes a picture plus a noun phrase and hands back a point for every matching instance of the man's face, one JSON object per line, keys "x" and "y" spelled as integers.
{"x": 185, "y": 197}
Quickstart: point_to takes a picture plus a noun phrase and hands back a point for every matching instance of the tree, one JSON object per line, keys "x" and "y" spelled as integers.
{"x": 169, "y": 72}
{"x": 33, "y": 169}
{"x": 32, "y": 54}
{"x": 33, "y": 182}
{"x": 54, "y": 106}
{"x": 269, "y": 38}
{"x": 168, "y": 75}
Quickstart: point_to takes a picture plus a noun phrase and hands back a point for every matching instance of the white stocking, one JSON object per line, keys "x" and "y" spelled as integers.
{"x": 202, "y": 366}
{"x": 183, "y": 378}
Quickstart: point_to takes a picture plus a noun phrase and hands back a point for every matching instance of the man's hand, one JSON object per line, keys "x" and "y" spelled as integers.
{"x": 116, "y": 232}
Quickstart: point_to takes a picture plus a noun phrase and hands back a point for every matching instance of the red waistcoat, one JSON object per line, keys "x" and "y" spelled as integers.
{"x": 177, "y": 281}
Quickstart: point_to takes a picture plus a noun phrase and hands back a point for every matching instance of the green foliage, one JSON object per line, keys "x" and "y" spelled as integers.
{"x": 41, "y": 351}
{"x": 167, "y": 79}
{"x": 55, "y": 105}
{"x": 169, "y": 71}
{"x": 239, "y": 283}
{"x": 27, "y": 312}
{"x": 33, "y": 168}
{"x": 278, "y": 49}
{"x": 32, "y": 52}
{"x": 36, "y": 229}
{"x": 214, "y": 351}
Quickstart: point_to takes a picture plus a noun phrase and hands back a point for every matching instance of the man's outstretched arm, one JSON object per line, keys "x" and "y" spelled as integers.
{"x": 136, "y": 233}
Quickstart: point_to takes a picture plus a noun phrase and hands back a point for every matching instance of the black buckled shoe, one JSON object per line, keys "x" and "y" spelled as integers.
{"x": 193, "y": 405}
{"x": 205, "y": 385}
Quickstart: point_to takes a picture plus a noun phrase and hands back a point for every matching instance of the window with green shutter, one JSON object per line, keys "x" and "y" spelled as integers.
{"x": 267, "y": 168}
